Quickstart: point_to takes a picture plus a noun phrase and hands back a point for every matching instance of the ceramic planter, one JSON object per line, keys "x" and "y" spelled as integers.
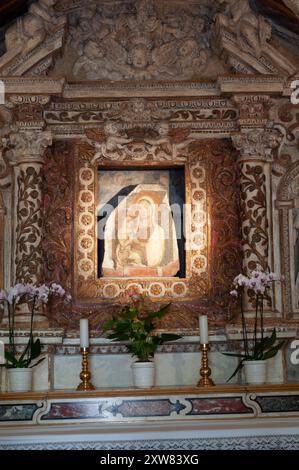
{"x": 143, "y": 374}
{"x": 255, "y": 372}
{"x": 20, "y": 380}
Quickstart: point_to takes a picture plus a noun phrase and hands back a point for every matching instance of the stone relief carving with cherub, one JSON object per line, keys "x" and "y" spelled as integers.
{"x": 134, "y": 41}
{"x": 160, "y": 144}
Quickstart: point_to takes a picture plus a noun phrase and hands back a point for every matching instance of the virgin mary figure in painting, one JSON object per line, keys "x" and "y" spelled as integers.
{"x": 140, "y": 236}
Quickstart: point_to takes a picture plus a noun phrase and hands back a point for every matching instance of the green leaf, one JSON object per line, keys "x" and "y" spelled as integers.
{"x": 11, "y": 358}
{"x": 239, "y": 367}
{"x": 160, "y": 313}
{"x": 35, "y": 349}
{"x": 26, "y": 349}
{"x": 272, "y": 351}
{"x": 38, "y": 362}
{"x": 235, "y": 355}
{"x": 165, "y": 337}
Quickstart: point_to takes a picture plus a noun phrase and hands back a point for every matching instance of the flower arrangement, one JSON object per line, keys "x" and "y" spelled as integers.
{"x": 263, "y": 347}
{"x": 34, "y": 296}
{"x": 136, "y": 325}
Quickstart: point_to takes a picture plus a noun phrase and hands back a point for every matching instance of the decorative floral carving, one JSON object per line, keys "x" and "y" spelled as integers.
{"x": 254, "y": 216}
{"x": 29, "y": 259}
{"x": 58, "y": 220}
{"x": 225, "y": 239}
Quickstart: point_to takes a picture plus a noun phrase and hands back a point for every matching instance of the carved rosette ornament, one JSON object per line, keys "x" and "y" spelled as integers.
{"x": 27, "y": 157}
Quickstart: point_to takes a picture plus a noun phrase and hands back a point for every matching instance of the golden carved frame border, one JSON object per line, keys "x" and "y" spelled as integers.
{"x": 88, "y": 288}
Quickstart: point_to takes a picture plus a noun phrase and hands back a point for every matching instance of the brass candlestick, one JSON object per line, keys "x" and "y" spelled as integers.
{"x": 205, "y": 370}
{"x": 85, "y": 375}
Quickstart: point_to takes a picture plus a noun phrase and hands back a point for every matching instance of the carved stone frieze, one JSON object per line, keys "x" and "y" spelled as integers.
{"x": 29, "y": 99}
{"x": 141, "y": 112}
{"x": 140, "y": 117}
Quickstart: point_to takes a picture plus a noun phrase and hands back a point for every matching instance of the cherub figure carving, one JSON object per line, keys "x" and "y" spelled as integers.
{"x": 92, "y": 63}
{"x": 252, "y": 30}
{"x": 190, "y": 58}
{"x": 169, "y": 141}
{"x": 31, "y": 30}
{"x": 108, "y": 140}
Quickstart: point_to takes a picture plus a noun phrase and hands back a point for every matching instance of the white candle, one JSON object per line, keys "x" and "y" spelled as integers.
{"x": 84, "y": 336}
{"x": 203, "y": 329}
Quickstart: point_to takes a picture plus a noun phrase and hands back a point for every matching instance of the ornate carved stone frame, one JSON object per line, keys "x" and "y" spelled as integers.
{"x": 285, "y": 206}
{"x": 88, "y": 287}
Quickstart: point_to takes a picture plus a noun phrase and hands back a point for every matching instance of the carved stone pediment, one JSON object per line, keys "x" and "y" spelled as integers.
{"x": 142, "y": 40}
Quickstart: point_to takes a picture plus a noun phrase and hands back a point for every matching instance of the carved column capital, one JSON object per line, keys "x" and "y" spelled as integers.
{"x": 257, "y": 144}
{"x": 29, "y": 145}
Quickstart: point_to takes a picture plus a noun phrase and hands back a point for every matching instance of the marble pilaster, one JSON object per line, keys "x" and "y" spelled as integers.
{"x": 28, "y": 146}
{"x": 255, "y": 142}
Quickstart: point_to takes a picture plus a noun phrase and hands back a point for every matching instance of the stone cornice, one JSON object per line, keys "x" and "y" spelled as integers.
{"x": 252, "y": 84}
{"x": 232, "y": 84}
{"x": 33, "y": 86}
{"x": 136, "y": 89}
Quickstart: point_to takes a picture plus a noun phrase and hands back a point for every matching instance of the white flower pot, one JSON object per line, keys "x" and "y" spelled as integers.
{"x": 255, "y": 372}
{"x": 20, "y": 380}
{"x": 143, "y": 374}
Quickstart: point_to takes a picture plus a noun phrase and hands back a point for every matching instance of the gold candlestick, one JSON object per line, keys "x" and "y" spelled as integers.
{"x": 85, "y": 375}
{"x": 205, "y": 370}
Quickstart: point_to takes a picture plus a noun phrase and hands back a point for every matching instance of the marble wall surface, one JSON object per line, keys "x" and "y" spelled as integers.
{"x": 61, "y": 371}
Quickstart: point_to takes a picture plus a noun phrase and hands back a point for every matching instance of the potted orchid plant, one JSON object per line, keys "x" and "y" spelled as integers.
{"x": 19, "y": 364}
{"x": 136, "y": 326}
{"x": 257, "y": 350}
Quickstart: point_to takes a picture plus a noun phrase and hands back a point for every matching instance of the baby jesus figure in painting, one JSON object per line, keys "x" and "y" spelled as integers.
{"x": 141, "y": 246}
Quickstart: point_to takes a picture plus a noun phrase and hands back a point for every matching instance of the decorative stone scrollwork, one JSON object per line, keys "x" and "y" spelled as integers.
{"x": 256, "y": 147}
